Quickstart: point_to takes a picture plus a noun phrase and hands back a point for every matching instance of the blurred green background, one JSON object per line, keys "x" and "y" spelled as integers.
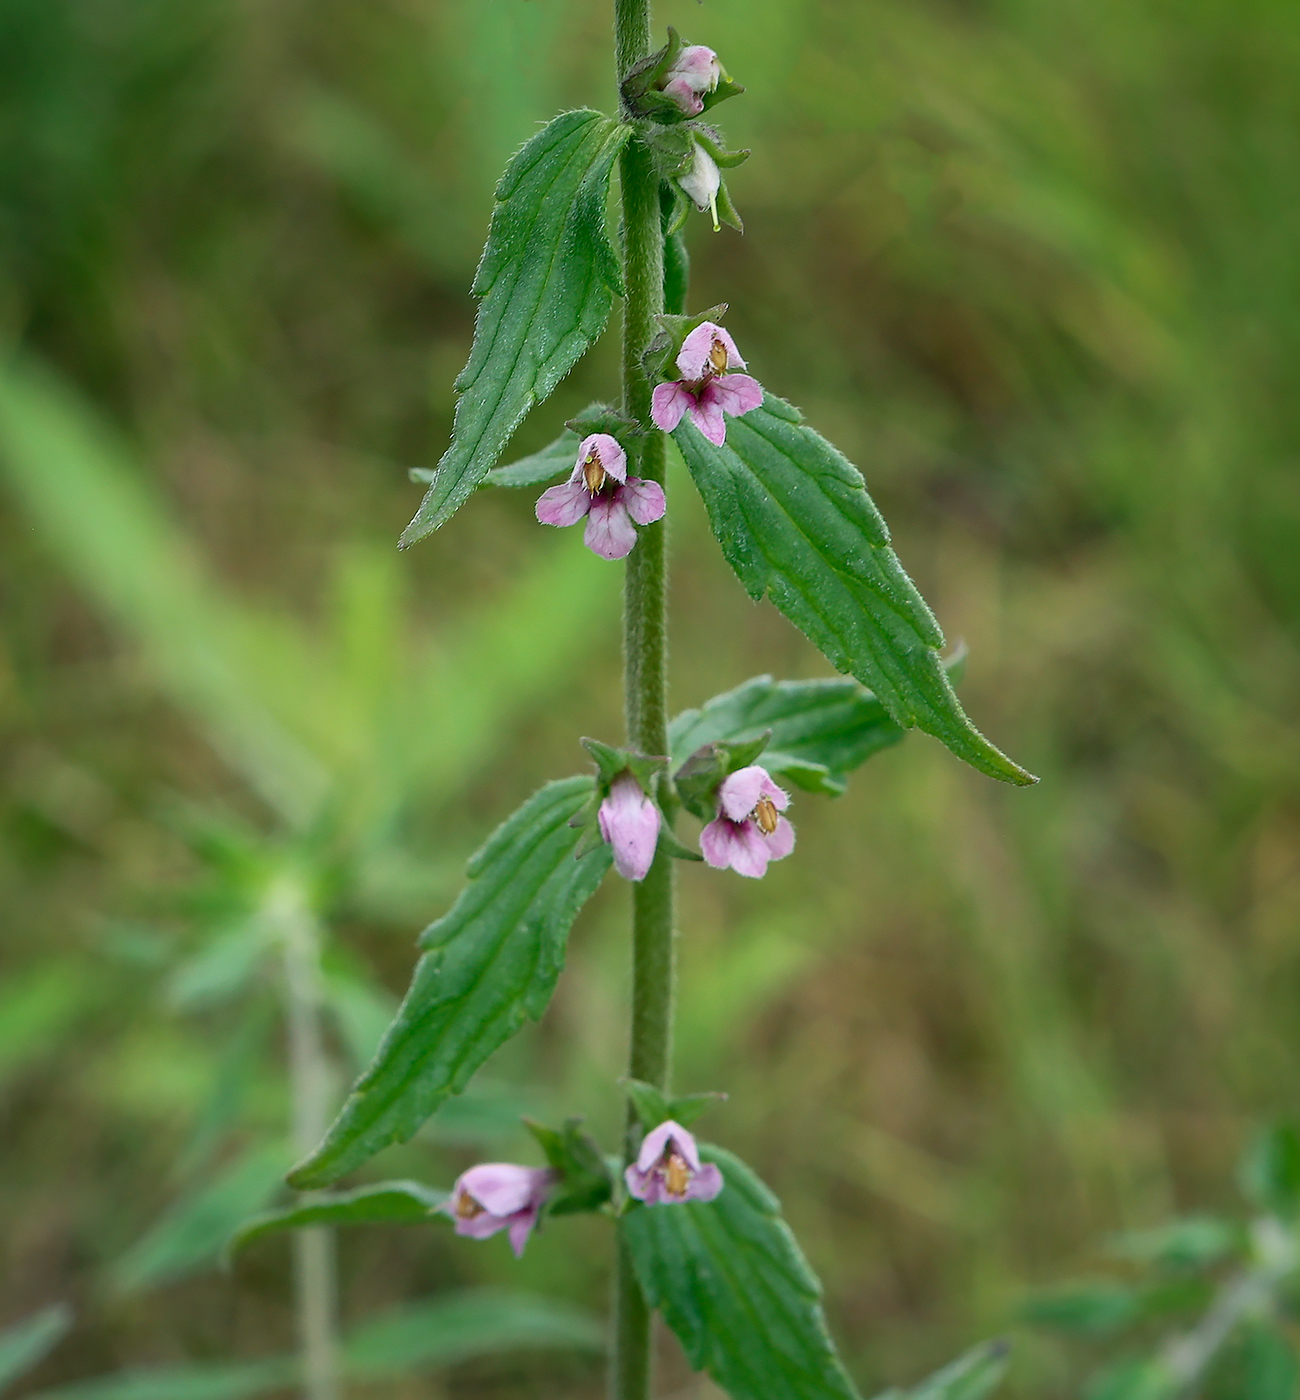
{"x": 1033, "y": 264}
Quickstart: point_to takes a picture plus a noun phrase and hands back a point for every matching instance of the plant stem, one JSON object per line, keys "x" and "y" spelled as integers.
{"x": 645, "y": 655}
{"x": 310, "y": 1088}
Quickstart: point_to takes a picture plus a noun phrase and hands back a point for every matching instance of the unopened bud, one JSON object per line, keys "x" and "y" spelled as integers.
{"x": 702, "y": 181}
{"x": 696, "y": 72}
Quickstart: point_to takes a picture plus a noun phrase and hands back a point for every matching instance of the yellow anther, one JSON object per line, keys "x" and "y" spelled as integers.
{"x": 765, "y": 815}
{"x": 467, "y": 1207}
{"x": 593, "y": 473}
{"x": 718, "y": 356}
{"x": 677, "y": 1174}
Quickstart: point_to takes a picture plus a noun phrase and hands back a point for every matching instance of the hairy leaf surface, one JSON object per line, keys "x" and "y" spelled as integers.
{"x": 821, "y": 730}
{"x": 795, "y": 522}
{"x": 733, "y": 1285}
{"x": 547, "y": 278}
{"x": 491, "y": 964}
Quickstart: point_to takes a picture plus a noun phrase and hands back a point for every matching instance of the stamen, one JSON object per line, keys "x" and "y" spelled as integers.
{"x": 593, "y": 473}
{"x": 677, "y": 1173}
{"x": 467, "y": 1207}
{"x": 718, "y": 356}
{"x": 765, "y": 815}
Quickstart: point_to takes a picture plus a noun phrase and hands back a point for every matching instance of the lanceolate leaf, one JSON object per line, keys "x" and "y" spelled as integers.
{"x": 548, "y": 278}
{"x": 731, "y": 1282}
{"x": 820, "y": 730}
{"x": 491, "y": 963}
{"x": 795, "y": 522}
{"x": 386, "y": 1203}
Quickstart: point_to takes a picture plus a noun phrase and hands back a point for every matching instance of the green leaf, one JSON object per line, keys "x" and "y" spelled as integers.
{"x": 492, "y": 963}
{"x": 386, "y": 1203}
{"x": 458, "y": 1327}
{"x": 548, "y": 278}
{"x": 192, "y": 1233}
{"x": 1270, "y": 1172}
{"x": 820, "y": 730}
{"x": 234, "y": 1381}
{"x": 732, "y": 1284}
{"x": 795, "y": 522}
{"x": 28, "y": 1343}
{"x": 538, "y": 467}
{"x": 1094, "y": 1308}
{"x": 971, "y": 1377}
{"x": 1181, "y": 1244}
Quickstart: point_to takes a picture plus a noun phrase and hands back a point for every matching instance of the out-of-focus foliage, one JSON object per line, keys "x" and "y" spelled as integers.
{"x": 1030, "y": 264}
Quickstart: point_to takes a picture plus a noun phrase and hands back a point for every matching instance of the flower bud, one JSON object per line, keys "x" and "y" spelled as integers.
{"x": 695, "y": 72}
{"x": 702, "y": 181}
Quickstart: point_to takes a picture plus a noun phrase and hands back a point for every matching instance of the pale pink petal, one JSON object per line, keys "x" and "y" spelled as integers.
{"x": 667, "y": 404}
{"x": 778, "y": 797}
{"x": 565, "y": 504}
{"x": 608, "y": 452}
{"x": 699, "y": 63}
{"x": 644, "y": 500}
{"x": 479, "y": 1227}
{"x": 502, "y": 1188}
{"x": 706, "y": 414}
{"x": 655, "y": 1143}
{"x": 781, "y": 841}
{"x": 629, "y": 821}
{"x": 705, "y": 1184}
{"x": 749, "y": 852}
{"x": 734, "y": 393}
{"x": 693, "y": 357}
{"x": 683, "y": 93}
{"x": 638, "y": 1182}
{"x": 610, "y": 532}
{"x": 521, "y": 1226}
{"x": 717, "y": 840}
{"x": 741, "y": 790}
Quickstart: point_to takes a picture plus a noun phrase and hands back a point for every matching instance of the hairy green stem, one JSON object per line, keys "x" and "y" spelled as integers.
{"x": 310, "y": 1089}
{"x": 645, "y": 657}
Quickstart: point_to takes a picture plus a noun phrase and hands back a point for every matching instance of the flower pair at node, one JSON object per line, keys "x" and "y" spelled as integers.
{"x": 747, "y": 833}
{"x": 495, "y": 1196}
{"x": 708, "y": 388}
{"x": 600, "y": 490}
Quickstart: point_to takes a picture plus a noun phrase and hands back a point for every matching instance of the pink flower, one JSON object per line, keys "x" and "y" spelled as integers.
{"x": 706, "y": 389}
{"x": 600, "y": 489}
{"x": 499, "y": 1196}
{"x": 748, "y": 830}
{"x": 629, "y": 821}
{"x": 696, "y": 72}
{"x": 668, "y": 1170}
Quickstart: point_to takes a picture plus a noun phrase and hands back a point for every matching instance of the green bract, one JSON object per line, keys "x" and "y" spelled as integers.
{"x": 548, "y": 278}
{"x": 795, "y": 522}
{"x": 732, "y": 1284}
{"x": 491, "y": 964}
